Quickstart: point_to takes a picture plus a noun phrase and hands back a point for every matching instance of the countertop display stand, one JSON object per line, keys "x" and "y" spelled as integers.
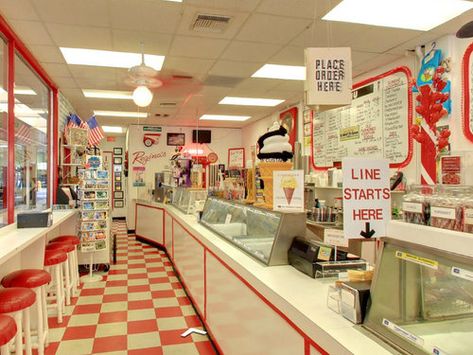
{"x": 94, "y": 221}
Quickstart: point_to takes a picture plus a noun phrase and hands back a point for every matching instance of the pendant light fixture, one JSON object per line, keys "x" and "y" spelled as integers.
{"x": 142, "y": 96}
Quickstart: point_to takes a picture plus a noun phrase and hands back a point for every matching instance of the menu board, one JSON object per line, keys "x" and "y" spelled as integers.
{"x": 467, "y": 67}
{"x": 375, "y": 125}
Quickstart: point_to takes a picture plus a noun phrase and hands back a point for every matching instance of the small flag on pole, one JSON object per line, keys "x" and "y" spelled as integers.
{"x": 74, "y": 121}
{"x": 95, "y": 131}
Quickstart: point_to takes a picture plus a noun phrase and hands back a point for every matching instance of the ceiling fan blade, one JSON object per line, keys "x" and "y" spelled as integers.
{"x": 466, "y": 31}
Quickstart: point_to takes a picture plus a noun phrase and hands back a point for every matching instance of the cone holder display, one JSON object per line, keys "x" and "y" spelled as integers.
{"x": 266, "y": 173}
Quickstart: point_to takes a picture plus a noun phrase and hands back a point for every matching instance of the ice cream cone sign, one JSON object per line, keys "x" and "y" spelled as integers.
{"x": 288, "y": 184}
{"x": 288, "y": 191}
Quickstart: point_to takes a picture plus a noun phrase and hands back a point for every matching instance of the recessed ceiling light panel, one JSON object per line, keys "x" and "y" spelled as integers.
{"x": 107, "y": 94}
{"x": 121, "y": 114}
{"x": 249, "y": 101}
{"x": 112, "y": 129}
{"x": 112, "y": 59}
{"x": 422, "y": 15}
{"x": 224, "y": 118}
{"x": 276, "y": 71}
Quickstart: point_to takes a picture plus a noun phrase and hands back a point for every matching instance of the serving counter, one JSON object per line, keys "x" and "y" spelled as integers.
{"x": 249, "y": 308}
{"x": 24, "y": 248}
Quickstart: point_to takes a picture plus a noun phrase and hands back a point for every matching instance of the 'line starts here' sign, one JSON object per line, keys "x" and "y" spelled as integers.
{"x": 328, "y": 77}
{"x": 366, "y": 197}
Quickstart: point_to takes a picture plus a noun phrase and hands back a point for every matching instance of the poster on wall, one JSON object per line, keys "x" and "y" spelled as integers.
{"x": 288, "y": 191}
{"x": 236, "y": 158}
{"x": 451, "y": 170}
{"x": 138, "y": 176}
{"x": 375, "y": 125}
{"x": 288, "y": 119}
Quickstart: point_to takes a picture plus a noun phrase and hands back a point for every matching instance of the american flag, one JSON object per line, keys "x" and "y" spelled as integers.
{"x": 74, "y": 121}
{"x": 95, "y": 131}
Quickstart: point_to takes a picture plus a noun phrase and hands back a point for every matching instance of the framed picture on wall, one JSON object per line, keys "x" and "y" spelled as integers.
{"x": 117, "y": 160}
{"x": 236, "y": 158}
{"x": 118, "y": 195}
{"x": 117, "y": 151}
{"x": 118, "y": 186}
{"x": 288, "y": 119}
{"x": 176, "y": 139}
{"x": 118, "y": 204}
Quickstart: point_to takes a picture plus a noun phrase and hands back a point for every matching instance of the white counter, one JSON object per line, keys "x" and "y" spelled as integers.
{"x": 300, "y": 298}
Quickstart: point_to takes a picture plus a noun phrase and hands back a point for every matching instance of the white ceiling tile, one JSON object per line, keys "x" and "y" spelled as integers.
{"x": 187, "y": 65}
{"x": 190, "y": 12}
{"x": 359, "y": 58}
{"x": 299, "y": 8}
{"x": 47, "y": 54}
{"x": 92, "y": 72}
{"x": 81, "y": 37}
{"x": 231, "y": 5}
{"x": 423, "y": 39}
{"x": 375, "y": 40}
{"x": 250, "y": 51}
{"x": 254, "y": 85}
{"x": 32, "y": 32}
{"x": 289, "y": 55}
{"x": 130, "y": 41}
{"x": 271, "y": 29}
{"x": 378, "y": 61}
{"x": 83, "y": 12}
{"x": 185, "y": 46}
{"x": 328, "y": 33}
{"x": 65, "y": 82}
{"x": 148, "y": 16}
{"x": 97, "y": 83}
{"x": 18, "y": 10}
{"x": 291, "y": 85}
{"x": 234, "y": 69}
{"x": 55, "y": 69}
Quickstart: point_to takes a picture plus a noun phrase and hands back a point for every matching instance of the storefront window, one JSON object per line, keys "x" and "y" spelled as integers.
{"x": 3, "y": 134}
{"x": 32, "y": 124}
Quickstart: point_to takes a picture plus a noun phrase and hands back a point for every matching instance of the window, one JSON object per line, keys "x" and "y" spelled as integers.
{"x": 32, "y": 127}
{"x": 3, "y": 134}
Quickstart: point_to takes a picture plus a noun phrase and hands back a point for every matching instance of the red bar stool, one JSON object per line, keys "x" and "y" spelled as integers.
{"x": 16, "y": 301}
{"x": 69, "y": 250}
{"x": 74, "y": 240}
{"x": 35, "y": 280}
{"x": 7, "y": 333}
{"x": 53, "y": 261}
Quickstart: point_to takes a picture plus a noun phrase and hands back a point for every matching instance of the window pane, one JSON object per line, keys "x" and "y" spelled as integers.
{"x": 3, "y": 134}
{"x": 32, "y": 120}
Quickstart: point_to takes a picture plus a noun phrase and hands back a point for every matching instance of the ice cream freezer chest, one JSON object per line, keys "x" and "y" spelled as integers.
{"x": 265, "y": 235}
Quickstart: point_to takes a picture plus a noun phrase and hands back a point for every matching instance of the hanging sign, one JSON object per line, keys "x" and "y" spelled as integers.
{"x": 328, "y": 77}
{"x": 366, "y": 197}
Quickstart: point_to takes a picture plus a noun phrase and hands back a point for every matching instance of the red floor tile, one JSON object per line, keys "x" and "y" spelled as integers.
{"x": 166, "y": 312}
{"x": 172, "y": 337}
{"x": 153, "y": 260}
{"x": 140, "y": 304}
{"x": 120, "y": 297}
{"x": 52, "y": 322}
{"x": 163, "y": 294}
{"x": 113, "y": 317}
{"x": 142, "y": 326}
{"x": 81, "y": 332}
{"x": 159, "y": 280}
{"x": 116, "y": 283}
{"x": 136, "y": 266}
{"x": 140, "y": 288}
{"x": 117, "y": 272}
{"x": 176, "y": 285}
{"x": 51, "y": 349}
{"x": 193, "y": 321}
{"x": 155, "y": 269}
{"x": 87, "y": 308}
{"x": 137, "y": 276}
{"x": 121, "y": 262}
{"x": 135, "y": 257}
{"x": 205, "y": 348}
{"x": 183, "y": 301}
{"x": 167, "y": 263}
{"x": 108, "y": 344}
{"x": 171, "y": 273}
{"x": 148, "y": 351}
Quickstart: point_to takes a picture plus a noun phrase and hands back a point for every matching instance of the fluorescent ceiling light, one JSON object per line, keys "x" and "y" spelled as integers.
{"x": 121, "y": 114}
{"x": 174, "y": 0}
{"x": 112, "y": 129}
{"x": 249, "y": 101}
{"x": 276, "y": 71}
{"x": 101, "y": 58}
{"x": 421, "y": 15}
{"x": 107, "y": 94}
{"x": 24, "y": 90}
{"x": 224, "y": 118}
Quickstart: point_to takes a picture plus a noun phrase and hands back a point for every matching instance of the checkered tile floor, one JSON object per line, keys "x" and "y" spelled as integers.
{"x": 138, "y": 308}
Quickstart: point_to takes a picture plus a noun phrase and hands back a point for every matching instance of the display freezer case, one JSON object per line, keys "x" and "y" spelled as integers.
{"x": 263, "y": 234}
{"x": 422, "y": 299}
{"x": 189, "y": 200}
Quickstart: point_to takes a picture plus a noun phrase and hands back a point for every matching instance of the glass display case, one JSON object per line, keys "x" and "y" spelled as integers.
{"x": 422, "y": 299}
{"x": 189, "y": 200}
{"x": 263, "y": 234}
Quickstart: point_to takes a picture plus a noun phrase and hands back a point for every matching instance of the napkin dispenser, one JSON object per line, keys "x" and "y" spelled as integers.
{"x": 354, "y": 300}
{"x": 34, "y": 219}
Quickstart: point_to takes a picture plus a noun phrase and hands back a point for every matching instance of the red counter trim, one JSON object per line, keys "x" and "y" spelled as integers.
{"x": 11, "y": 131}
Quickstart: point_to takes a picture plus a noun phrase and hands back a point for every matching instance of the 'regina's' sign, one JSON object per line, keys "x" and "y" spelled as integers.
{"x": 328, "y": 77}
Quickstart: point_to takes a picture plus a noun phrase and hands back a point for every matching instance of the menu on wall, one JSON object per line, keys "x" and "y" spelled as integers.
{"x": 375, "y": 125}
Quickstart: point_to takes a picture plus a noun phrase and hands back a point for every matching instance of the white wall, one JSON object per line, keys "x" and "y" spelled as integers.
{"x": 222, "y": 140}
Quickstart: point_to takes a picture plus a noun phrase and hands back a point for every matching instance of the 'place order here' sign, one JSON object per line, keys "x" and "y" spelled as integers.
{"x": 366, "y": 197}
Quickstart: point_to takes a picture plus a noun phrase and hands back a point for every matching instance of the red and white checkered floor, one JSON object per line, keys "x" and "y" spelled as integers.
{"x": 138, "y": 308}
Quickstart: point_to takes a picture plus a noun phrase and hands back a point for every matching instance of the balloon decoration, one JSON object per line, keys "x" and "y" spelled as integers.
{"x": 430, "y": 109}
